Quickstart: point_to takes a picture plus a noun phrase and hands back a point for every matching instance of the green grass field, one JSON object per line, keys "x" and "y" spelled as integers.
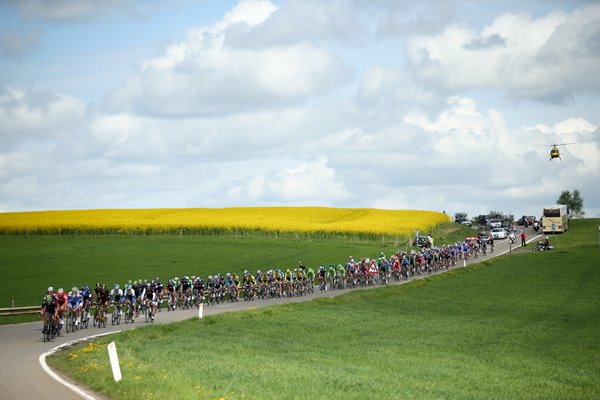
{"x": 519, "y": 327}
{"x": 30, "y": 264}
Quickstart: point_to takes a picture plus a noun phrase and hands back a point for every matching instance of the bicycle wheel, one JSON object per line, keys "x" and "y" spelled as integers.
{"x": 47, "y": 330}
{"x": 85, "y": 319}
{"x": 113, "y": 316}
{"x": 68, "y": 323}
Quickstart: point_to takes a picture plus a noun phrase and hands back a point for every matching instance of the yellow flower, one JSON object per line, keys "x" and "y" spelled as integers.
{"x": 276, "y": 220}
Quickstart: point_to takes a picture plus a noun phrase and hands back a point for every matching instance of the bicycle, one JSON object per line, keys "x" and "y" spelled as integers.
{"x": 116, "y": 315}
{"x": 129, "y": 313}
{"x": 59, "y": 323}
{"x": 100, "y": 316}
{"x": 85, "y": 315}
{"x": 49, "y": 329}
{"x": 171, "y": 302}
{"x": 148, "y": 313}
{"x": 159, "y": 301}
{"x": 71, "y": 323}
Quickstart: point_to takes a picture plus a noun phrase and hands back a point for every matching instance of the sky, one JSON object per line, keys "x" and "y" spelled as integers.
{"x": 392, "y": 104}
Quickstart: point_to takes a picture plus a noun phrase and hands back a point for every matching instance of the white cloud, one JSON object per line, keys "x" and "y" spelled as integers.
{"x": 37, "y": 115}
{"x": 550, "y": 57}
{"x": 387, "y": 86}
{"x": 203, "y": 76}
{"x": 310, "y": 183}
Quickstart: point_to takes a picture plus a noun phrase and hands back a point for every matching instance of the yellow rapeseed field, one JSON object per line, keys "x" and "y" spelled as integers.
{"x": 304, "y": 220}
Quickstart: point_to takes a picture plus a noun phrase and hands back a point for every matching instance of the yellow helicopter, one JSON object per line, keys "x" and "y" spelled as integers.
{"x": 554, "y": 152}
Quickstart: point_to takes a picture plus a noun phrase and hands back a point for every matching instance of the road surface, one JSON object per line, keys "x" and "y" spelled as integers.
{"x": 22, "y": 376}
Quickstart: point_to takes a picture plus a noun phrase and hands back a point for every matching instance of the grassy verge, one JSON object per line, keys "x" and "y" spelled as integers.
{"x": 524, "y": 326}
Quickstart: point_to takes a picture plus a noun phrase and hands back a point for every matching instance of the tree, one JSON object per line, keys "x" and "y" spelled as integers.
{"x": 460, "y": 217}
{"x": 574, "y": 201}
{"x": 506, "y": 219}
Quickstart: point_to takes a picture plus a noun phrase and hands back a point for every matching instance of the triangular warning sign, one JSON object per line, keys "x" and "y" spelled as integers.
{"x": 373, "y": 270}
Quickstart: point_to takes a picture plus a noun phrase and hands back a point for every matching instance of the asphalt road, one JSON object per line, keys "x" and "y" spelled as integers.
{"x": 22, "y": 376}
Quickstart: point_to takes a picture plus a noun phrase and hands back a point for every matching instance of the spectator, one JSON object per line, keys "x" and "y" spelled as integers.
{"x": 523, "y": 237}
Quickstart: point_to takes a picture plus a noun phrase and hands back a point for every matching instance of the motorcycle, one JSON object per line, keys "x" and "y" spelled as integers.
{"x": 536, "y": 226}
{"x": 540, "y": 246}
{"x": 512, "y": 237}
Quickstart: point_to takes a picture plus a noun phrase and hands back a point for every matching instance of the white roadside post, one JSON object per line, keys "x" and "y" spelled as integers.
{"x": 201, "y": 310}
{"x": 114, "y": 361}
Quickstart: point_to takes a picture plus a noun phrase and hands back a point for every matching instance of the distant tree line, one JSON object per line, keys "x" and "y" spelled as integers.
{"x": 506, "y": 219}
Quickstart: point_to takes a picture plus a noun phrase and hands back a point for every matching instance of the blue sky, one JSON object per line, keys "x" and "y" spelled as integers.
{"x": 385, "y": 104}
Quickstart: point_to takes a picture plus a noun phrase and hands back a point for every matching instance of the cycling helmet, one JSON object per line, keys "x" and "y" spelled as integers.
{"x": 74, "y": 289}
{"x": 61, "y": 291}
{"x": 51, "y": 289}
{"x": 85, "y": 287}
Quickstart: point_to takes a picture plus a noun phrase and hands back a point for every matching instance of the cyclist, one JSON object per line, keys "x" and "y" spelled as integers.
{"x": 322, "y": 278}
{"x": 231, "y": 287}
{"x": 185, "y": 289}
{"x": 160, "y": 288}
{"x": 310, "y": 274}
{"x": 75, "y": 302}
{"x": 199, "y": 289}
{"x": 279, "y": 282}
{"x": 129, "y": 298}
{"x": 86, "y": 296}
{"x": 331, "y": 275}
{"x": 149, "y": 297}
{"x": 102, "y": 299}
{"x": 49, "y": 308}
{"x": 116, "y": 297}
{"x": 171, "y": 293}
{"x": 61, "y": 301}
{"x": 249, "y": 283}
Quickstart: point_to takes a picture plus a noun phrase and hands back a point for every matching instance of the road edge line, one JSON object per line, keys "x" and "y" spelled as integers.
{"x": 77, "y": 390}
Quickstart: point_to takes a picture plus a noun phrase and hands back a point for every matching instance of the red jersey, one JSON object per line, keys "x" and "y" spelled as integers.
{"x": 61, "y": 298}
